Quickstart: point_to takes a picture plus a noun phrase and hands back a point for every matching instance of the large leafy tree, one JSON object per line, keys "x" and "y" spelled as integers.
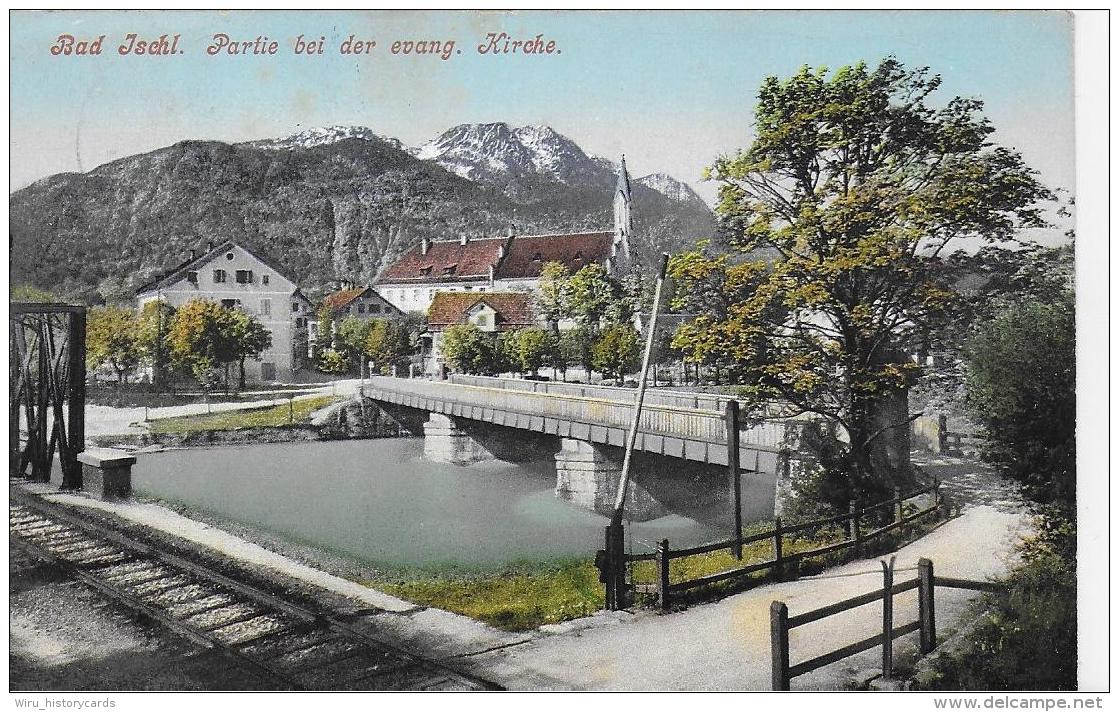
{"x": 617, "y": 352}
{"x": 593, "y": 295}
{"x": 154, "y": 326}
{"x": 388, "y": 344}
{"x": 553, "y": 298}
{"x": 201, "y": 340}
{"x": 468, "y": 349}
{"x": 113, "y": 338}
{"x": 856, "y": 188}
{"x": 248, "y": 338}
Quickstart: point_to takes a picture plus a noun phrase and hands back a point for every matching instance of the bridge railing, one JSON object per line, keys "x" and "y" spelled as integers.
{"x": 678, "y": 399}
{"x": 611, "y": 408}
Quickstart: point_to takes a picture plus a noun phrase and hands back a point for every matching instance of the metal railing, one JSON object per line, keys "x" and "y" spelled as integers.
{"x": 603, "y": 406}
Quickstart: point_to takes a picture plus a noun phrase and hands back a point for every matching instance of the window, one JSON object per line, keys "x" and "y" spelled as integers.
{"x": 229, "y": 255}
{"x": 192, "y": 277}
{"x": 300, "y": 322}
{"x": 450, "y": 269}
{"x": 538, "y": 257}
{"x": 219, "y": 276}
{"x": 374, "y": 308}
{"x": 426, "y": 271}
{"x": 483, "y": 320}
{"x": 295, "y": 306}
{"x": 244, "y": 276}
{"x": 264, "y": 279}
{"x": 266, "y": 307}
{"x": 230, "y": 303}
{"x": 415, "y": 294}
{"x": 360, "y": 308}
{"x": 267, "y": 371}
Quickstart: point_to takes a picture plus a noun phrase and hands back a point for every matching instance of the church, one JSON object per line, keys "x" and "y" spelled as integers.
{"x": 511, "y": 263}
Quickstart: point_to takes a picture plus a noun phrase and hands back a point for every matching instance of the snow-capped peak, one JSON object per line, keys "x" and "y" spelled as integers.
{"x": 671, "y": 188}
{"x": 478, "y": 151}
{"x": 322, "y": 136}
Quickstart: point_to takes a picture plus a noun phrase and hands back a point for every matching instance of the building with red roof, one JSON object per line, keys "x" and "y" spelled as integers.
{"x": 503, "y": 264}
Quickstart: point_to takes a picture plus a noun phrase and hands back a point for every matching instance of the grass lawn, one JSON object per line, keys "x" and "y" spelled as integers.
{"x": 270, "y": 417}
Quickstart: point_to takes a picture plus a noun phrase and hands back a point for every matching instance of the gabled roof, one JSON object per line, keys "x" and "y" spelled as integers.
{"x": 514, "y": 309}
{"x": 525, "y": 256}
{"x": 445, "y": 261}
{"x": 176, "y": 273}
{"x": 344, "y": 297}
{"x": 529, "y": 253}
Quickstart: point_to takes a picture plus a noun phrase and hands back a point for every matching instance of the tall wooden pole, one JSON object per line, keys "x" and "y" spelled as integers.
{"x": 733, "y": 473}
{"x": 631, "y": 441}
{"x": 72, "y": 469}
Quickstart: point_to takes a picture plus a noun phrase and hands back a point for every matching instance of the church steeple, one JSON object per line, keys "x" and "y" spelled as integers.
{"x": 623, "y": 221}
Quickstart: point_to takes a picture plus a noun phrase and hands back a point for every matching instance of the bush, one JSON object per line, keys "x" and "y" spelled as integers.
{"x": 1027, "y": 639}
{"x": 334, "y": 362}
{"x": 1021, "y": 387}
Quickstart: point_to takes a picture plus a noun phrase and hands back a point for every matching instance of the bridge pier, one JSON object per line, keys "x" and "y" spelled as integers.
{"x": 587, "y": 475}
{"x": 446, "y": 441}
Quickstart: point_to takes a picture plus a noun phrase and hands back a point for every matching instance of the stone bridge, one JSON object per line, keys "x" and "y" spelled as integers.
{"x": 472, "y": 418}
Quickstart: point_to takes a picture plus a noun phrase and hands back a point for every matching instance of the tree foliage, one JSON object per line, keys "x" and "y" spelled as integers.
{"x": 553, "y": 298}
{"x": 112, "y": 337}
{"x": 842, "y": 213}
{"x": 388, "y": 344}
{"x": 526, "y": 350}
{"x": 468, "y": 349}
{"x": 206, "y": 338}
{"x": 1021, "y": 388}
{"x": 617, "y": 351}
{"x": 248, "y": 339}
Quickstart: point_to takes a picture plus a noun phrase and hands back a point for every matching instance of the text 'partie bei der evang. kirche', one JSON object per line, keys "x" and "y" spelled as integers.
{"x": 222, "y": 45}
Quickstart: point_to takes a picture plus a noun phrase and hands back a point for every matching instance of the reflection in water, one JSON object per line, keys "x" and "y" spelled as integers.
{"x": 380, "y": 502}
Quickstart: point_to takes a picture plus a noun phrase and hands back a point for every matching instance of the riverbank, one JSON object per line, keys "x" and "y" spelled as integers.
{"x": 716, "y": 646}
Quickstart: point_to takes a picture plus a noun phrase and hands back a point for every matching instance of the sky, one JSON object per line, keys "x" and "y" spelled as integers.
{"x": 671, "y": 90}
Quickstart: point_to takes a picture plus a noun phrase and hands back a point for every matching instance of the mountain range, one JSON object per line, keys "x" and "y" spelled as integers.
{"x": 334, "y": 203}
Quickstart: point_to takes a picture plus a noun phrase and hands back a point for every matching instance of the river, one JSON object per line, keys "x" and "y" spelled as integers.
{"x": 378, "y": 502}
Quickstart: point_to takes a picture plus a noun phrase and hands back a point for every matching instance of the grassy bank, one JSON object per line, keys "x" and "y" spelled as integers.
{"x": 533, "y": 594}
{"x": 268, "y": 417}
{"x": 516, "y": 599}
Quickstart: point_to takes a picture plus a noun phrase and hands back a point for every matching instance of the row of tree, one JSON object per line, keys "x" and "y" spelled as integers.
{"x": 200, "y": 339}
{"x": 614, "y": 350}
{"x": 384, "y": 343}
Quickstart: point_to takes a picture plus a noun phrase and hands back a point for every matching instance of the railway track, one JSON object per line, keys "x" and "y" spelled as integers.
{"x": 290, "y": 646}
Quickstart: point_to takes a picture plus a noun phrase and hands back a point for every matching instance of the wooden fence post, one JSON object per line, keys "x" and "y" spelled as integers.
{"x": 936, "y": 497}
{"x": 779, "y": 639}
{"x": 926, "y": 605}
{"x": 733, "y": 473}
{"x": 854, "y": 533}
{"x": 898, "y": 513}
{"x": 778, "y": 565}
{"x": 888, "y": 619}
{"x": 662, "y": 574}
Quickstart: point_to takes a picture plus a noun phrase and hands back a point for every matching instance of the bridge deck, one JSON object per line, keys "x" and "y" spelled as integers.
{"x": 667, "y": 427}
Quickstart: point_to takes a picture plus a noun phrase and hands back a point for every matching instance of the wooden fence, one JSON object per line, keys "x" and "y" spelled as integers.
{"x": 667, "y": 592}
{"x": 925, "y": 583}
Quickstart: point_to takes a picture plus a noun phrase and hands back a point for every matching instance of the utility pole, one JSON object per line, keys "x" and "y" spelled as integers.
{"x": 615, "y": 535}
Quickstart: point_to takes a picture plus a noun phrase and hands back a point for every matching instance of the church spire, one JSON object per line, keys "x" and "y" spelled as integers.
{"x": 623, "y": 221}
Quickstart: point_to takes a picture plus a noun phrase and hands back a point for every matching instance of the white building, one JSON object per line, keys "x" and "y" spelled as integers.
{"x": 240, "y": 279}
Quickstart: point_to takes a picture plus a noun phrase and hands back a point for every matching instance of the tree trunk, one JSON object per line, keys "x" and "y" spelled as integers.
{"x": 241, "y": 377}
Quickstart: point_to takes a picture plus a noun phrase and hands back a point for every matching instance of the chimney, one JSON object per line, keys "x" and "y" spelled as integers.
{"x": 425, "y": 245}
{"x": 463, "y": 239}
{"x": 509, "y": 230}
{"x": 192, "y": 254}
{"x": 209, "y": 245}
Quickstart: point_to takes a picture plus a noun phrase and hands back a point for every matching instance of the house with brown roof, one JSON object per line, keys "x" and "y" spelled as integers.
{"x": 239, "y": 278}
{"x": 352, "y": 301}
{"x": 491, "y": 312}
{"x": 503, "y": 264}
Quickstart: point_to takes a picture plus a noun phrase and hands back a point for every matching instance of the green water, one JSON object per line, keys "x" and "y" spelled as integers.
{"x": 379, "y": 502}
